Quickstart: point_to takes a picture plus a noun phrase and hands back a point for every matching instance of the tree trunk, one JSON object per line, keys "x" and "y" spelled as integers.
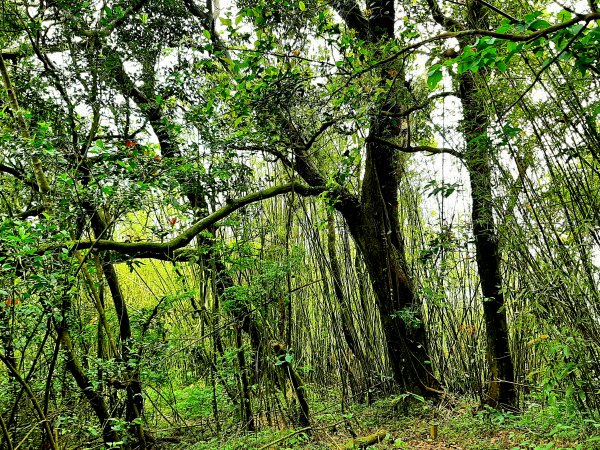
{"x": 475, "y": 123}
{"x": 373, "y": 222}
{"x": 246, "y": 406}
{"x": 298, "y": 385}
{"x": 501, "y": 389}
{"x": 133, "y": 385}
{"x": 376, "y": 232}
{"x": 95, "y": 400}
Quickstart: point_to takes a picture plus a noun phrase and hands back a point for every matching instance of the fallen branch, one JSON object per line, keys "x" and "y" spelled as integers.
{"x": 365, "y": 441}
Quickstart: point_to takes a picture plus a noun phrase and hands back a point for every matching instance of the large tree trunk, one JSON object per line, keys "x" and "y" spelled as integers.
{"x": 373, "y": 220}
{"x": 377, "y": 233}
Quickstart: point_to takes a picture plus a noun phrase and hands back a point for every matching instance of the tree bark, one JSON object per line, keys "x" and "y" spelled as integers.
{"x": 501, "y": 388}
{"x": 374, "y": 225}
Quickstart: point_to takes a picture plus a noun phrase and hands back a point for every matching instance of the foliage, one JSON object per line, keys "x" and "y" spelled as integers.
{"x": 257, "y": 207}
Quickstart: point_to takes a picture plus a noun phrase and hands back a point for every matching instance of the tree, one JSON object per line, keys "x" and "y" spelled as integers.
{"x": 476, "y": 121}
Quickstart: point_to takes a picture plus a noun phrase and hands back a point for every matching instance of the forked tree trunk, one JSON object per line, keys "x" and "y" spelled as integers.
{"x": 374, "y": 224}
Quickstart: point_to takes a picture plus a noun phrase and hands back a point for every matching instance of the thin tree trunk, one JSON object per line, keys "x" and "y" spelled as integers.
{"x": 246, "y": 406}
{"x": 95, "y": 400}
{"x": 336, "y": 274}
{"x": 133, "y": 386}
{"x": 297, "y": 384}
{"x": 501, "y": 389}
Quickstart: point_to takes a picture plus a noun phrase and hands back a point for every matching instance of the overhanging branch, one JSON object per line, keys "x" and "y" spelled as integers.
{"x": 167, "y": 250}
{"x": 528, "y": 37}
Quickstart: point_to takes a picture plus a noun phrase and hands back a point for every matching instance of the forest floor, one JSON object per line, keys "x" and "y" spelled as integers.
{"x": 461, "y": 427}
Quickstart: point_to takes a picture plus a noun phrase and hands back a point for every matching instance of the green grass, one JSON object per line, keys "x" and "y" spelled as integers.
{"x": 463, "y": 426}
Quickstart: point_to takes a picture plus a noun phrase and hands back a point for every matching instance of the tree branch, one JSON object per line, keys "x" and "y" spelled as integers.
{"x": 499, "y": 11}
{"x": 36, "y": 163}
{"x": 35, "y": 211}
{"x": 479, "y": 32}
{"x": 408, "y": 111}
{"x": 19, "y": 175}
{"x": 207, "y": 22}
{"x": 324, "y": 126}
{"x": 417, "y": 148}
{"x": 447, "y": 22}
{"x": 538, "y": 75}
{"x": 161, "y": 250}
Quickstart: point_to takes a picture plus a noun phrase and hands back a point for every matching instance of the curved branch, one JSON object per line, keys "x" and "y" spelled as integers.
{"x": 324, "y": 127}
{"x": 19, "y": 175}
{"x": 479, "y": 32}
{"x": 161, "y": 250}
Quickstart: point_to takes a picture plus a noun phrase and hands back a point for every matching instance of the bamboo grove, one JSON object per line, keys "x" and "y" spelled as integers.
{"x": 213, "y": 214}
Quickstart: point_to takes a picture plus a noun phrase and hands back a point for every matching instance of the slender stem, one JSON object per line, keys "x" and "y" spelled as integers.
{"x": 31, "y": 395}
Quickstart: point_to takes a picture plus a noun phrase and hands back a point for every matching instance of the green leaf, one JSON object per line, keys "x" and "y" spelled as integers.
{"x": 505, "y": 27}
{"x": 302, "y": 6}
{"x": 564, "y": 16}
{"x": 532, "y": 16}
{"x": 434, "y": 76}
{"x": 539, "y": 24}
{"x": 206, "y": 34}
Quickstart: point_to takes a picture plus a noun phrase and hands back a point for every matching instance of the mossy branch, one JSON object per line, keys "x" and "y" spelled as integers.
{"x": 161, "y": 250}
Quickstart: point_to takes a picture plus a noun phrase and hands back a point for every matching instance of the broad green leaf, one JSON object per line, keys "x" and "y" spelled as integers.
{"x": 539, "y": 24}
{"x": 434, "y": 76}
